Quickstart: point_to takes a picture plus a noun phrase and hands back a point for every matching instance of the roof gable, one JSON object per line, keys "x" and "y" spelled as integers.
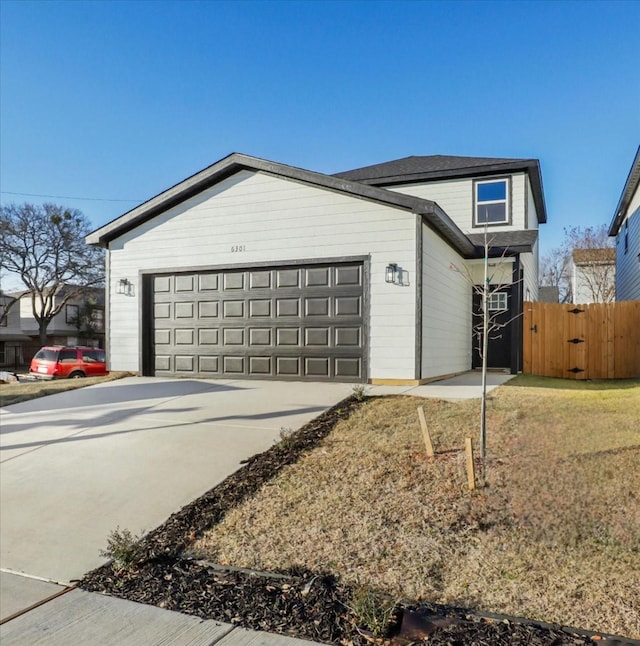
{"x": 236, "y": 162}
{"x": 414, "y": 169}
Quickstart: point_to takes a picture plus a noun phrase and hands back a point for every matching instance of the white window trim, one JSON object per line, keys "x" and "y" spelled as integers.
{"x": 506, "y": 201}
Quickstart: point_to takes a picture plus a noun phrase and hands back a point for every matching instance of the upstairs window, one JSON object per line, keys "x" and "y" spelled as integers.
{"x": 71, "y": 314}
{"x": 491, "y": 202}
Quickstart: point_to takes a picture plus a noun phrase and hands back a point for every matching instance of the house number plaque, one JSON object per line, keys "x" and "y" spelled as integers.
{"x": 237, "y": 248}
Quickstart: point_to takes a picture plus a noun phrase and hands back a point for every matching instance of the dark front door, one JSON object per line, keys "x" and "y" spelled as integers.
{"x": 500, "y": 324}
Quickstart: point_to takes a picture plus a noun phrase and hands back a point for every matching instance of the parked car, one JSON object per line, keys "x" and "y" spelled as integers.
{"x": 60, "y": 362}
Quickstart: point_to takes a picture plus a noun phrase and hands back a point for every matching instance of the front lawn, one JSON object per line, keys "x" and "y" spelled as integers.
{"x": 14, "y": 393}
{"x": 555, "y": 536}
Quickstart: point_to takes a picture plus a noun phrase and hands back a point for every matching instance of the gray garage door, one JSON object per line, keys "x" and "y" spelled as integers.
{"x": 296, "y": 322}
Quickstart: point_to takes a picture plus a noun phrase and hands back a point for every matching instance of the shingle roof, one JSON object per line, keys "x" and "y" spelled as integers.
{"x": 434, "y": 167}
{"x": 582, "y": 256}
{"x": 513, "y": 240}
{"x": 419, "y": 165}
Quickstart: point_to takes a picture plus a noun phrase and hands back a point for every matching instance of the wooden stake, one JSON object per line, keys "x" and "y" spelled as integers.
{"x": 425, "y": 432}
{"x": 471, "y": 475}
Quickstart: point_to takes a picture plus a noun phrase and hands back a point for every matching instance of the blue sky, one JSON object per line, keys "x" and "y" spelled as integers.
{"x": 119, "y": 100}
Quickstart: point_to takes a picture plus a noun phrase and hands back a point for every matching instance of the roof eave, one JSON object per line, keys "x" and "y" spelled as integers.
{"x": 234, "y": 163}
{"x": 530, "y": 166}
{"x": 630, "y": 186}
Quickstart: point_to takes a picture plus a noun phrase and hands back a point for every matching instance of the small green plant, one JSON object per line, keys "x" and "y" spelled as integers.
{"x": 286, "y": 437}
{"x": 359, "y": 392}
{"x": 372, "y": 611}
{"x": 123, "y": 547}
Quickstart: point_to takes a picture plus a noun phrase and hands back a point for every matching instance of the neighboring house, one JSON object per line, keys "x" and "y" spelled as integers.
{"x": 80, "y": 322}
{"x": 549, "y": 294}
{"x": 252, "y": 268}
{"x": 625, "y": 226}
{"x": 593, "y": 275}
{"x": 12, "y": 339}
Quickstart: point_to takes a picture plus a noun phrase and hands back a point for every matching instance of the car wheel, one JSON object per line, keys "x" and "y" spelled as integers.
{"x": 77, "y": 375}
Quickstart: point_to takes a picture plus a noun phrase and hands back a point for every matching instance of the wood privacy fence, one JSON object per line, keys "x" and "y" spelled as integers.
{"x": 596, "y": 341}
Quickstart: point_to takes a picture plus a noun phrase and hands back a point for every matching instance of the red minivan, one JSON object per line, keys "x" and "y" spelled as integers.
{"x": 60, "y": 362}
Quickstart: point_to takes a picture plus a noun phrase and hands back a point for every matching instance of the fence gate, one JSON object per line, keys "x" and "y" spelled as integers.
{"x": 595, "y": 341}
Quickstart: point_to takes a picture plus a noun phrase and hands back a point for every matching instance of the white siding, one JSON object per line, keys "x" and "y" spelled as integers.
{"x": 455, "y": 197}
{"x": 532, "y": 213}
{"x": 446, "y": 309}
{"x": 499, "y": 271}
{"x": 279, "y": 220}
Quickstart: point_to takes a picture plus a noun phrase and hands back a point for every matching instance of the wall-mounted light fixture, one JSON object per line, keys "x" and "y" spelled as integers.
{"x": 124, "y": 286}
{"x": 393, "y": 274}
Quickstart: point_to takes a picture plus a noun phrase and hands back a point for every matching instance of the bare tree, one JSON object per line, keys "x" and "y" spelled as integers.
{"x": 583, "y": 245}
{"x": 489, "y": 325}
{"x": 44, "y": 247}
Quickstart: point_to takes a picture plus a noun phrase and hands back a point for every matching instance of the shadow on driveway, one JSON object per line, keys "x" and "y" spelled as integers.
{"x": 119, "y": 393}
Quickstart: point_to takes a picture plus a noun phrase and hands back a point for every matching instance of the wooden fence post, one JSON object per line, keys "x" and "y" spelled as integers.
{"x": 425, "y": 432}
{"x": 471, "y": 474}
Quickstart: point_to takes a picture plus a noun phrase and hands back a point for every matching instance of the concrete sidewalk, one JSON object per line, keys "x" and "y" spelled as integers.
{"x": 79, "y": 618}
{"x": 465, "y": 386}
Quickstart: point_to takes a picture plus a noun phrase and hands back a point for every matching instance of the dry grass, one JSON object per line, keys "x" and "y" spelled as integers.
{"x": 555, "y": 536}
{"x": 15, "y": 393}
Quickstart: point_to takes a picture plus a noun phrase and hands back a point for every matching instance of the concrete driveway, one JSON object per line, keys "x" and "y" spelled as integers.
{"x": 127, "y": 453}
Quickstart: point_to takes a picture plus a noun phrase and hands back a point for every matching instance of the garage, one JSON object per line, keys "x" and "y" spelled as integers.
{"x": 296, "y": 321}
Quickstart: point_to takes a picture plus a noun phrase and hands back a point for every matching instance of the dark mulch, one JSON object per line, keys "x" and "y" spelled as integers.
{"x": 301, "y": 604}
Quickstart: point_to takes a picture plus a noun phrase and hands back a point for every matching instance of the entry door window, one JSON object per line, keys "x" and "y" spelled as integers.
{"x": 497, "y": 302}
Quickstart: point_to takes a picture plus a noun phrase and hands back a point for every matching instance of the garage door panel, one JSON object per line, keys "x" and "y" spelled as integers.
{"x": 287, "y": 307}
{"x": 209, "y": 365}
{"x": 208, "y": 282}
{"x": 184, "y": 283}
{"x": 185, "y": 310}
{"x": 233, "y": 365}
{"x": 162, "y": 311}
{"x": 208, "y": 336}
{"x": 283, "y": 322}
{"x": 260, "y": 336}
{"x": 346, "y": 367}
{"x": 185, "y": 336}
{"x": 233, "y": 309}
{"x": 232, "y": 336}
{"x": 163, "y": 362}
{"x": 288, "y": 278}
{"x": 348, "y": 275}
{"x": 233, "y": 280}
{"x": 316, "y": 336}
{"x": 208, "y": 309}
{"x": 260, "y": 308}
{"x": 317, "y": 277}
{"x": 260, "y": 366}
{"x": 288, "y": 336}
{"x": 185, "y": 363}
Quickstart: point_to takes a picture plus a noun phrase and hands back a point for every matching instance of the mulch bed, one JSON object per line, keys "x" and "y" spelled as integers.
{"x": 307, "y": 605}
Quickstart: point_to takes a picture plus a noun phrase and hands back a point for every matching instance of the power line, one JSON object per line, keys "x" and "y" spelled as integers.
{"x": 68, "y": 197}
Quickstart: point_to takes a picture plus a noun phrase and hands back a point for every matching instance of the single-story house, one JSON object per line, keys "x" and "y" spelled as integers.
{"x": 625, "y": 226}
{"x": 256, "y": 269}
{"x": 593, "y": 275}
